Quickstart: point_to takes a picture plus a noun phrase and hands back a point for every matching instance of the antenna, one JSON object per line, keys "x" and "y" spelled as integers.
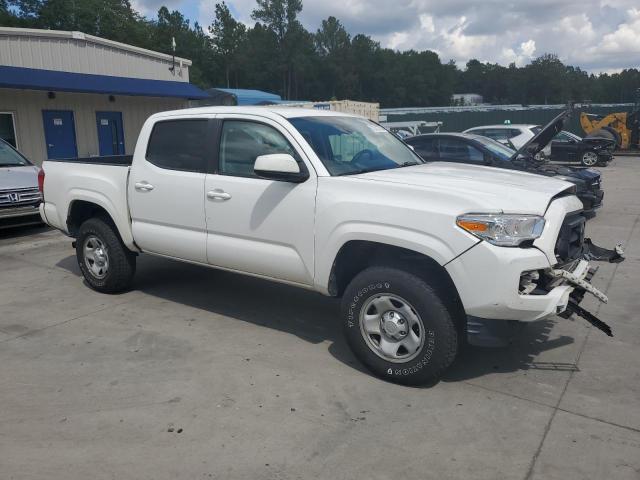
{"x": 172, "y": 68}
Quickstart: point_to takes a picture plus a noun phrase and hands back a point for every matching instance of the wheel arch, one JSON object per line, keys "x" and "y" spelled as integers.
{"x": 357, "y": 255}
{"x": 81, "y": 209}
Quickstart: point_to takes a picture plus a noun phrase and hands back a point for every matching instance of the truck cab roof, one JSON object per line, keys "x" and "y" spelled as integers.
{"x": 268, "y": 111}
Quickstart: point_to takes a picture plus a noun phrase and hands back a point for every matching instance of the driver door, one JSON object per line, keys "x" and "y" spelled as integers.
{"x": 563, "y": 148}
{"x": 255, "y": 225}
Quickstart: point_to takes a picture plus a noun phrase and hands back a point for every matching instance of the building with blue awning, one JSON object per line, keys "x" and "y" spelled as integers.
{"x": 67, "y": 94}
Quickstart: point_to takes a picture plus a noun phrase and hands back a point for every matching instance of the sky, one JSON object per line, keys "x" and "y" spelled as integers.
{"x": 596, "y": 35}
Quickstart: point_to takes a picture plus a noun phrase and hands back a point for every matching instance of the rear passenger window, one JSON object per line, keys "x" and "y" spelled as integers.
{"x": 242, "y": 142}
{"x": 180, "y": 145}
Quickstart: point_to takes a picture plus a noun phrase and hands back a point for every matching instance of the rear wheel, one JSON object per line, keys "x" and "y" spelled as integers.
{"x": 398, "y": 326}
{"x": 107, "y": 265}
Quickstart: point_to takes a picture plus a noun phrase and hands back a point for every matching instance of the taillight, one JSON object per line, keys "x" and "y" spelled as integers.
{"x": 41, "y": 181}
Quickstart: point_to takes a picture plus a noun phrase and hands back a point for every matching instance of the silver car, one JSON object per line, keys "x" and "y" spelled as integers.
{"x": 19, "y": 192}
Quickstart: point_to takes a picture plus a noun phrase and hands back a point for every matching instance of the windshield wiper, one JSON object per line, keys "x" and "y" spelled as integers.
{"x": 362, "y": 170}
{"x": 13, "y": 164}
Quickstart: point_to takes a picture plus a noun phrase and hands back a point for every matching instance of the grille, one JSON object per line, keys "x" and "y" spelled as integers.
{"x": 19, "y": 196}
{"x": 571, "y": 238}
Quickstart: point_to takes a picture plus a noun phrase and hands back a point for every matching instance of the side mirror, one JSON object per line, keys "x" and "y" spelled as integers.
{"x": 280, "y": 166}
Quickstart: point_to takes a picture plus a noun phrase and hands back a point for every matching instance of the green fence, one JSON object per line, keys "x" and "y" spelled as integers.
{"x": 457, "y": 119}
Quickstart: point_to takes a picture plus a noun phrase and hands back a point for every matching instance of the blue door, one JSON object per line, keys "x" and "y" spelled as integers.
{"x": 110, "y": 133}
{"x": 59, "y": 133}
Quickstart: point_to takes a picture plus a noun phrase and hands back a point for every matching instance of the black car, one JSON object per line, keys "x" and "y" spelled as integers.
{"x": 478, "y": 150}
{"x": 589, "y": 151}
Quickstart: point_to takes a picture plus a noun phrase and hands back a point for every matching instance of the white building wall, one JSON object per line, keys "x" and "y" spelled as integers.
{"x": 80, "y": 53}
{"x": 27, "y": 107}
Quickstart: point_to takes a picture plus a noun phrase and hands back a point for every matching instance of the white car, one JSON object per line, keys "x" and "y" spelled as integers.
{"x": 19, "y": 193}
{"x": 333, "y": 203}
{"x": 512, "y": 135}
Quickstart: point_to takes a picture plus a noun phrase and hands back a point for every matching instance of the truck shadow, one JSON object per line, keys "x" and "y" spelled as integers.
{"x": 314, "y": 318}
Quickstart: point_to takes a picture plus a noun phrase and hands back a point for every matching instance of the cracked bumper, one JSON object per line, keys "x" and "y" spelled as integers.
{"x": 487, "y": 278}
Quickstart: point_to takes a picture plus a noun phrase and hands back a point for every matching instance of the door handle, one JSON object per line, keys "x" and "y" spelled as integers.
{"x": 143, "y": 186}
{"x": 218, "y": 195}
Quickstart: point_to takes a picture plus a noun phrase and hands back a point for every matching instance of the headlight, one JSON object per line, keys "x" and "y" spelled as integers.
{"x": 505, "y": 230}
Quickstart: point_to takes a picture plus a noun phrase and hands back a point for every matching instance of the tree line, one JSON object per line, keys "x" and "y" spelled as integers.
{"x": 279, "y": 55}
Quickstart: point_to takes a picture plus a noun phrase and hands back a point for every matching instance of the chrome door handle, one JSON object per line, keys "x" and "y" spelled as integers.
{"x": 218, "y": 195}
{"x": 143, "y": 186}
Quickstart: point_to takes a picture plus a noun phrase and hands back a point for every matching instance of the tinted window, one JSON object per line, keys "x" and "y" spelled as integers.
{"x": 242, "y": 142}
{"x": 180, "y": 145}
{"x": 425, "y": 147}
{"x": 454, "y": 149}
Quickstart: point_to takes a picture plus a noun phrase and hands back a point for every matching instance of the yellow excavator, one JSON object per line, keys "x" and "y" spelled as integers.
{"x": 622, "y": 127}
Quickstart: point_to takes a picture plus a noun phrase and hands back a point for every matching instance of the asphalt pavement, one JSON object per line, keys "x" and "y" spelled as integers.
{"x": 198, "y": 373}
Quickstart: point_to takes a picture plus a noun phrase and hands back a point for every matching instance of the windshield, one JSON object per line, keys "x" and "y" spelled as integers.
{"x": 9, "y": 157}
{"x": 498, "y": 149}
{"x": 348, "y": 145}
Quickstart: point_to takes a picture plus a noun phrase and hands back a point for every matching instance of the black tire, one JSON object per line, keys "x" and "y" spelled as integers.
{"x": 440, "y": 346}
{"x": 121, "y": 261}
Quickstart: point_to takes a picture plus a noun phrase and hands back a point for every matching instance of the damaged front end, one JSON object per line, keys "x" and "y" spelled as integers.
{"x": 574, "y": 253}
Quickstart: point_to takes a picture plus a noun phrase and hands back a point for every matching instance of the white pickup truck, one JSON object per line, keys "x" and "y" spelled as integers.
{"x": 336, "y": 204}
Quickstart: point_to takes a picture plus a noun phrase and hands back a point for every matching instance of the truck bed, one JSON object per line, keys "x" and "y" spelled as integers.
{"x": 98, "y": 180}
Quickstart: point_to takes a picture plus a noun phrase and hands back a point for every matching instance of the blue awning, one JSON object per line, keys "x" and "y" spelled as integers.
{"x": 52, "y": 80}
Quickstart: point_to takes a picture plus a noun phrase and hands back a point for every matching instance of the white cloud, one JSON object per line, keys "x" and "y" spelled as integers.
{"x": 597, "y": 35}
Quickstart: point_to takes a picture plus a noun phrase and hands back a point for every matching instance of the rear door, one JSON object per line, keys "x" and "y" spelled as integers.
{"x": 110, "y": 133}
{"x": 255, "y": 225}
{"x": 166, "y": 188}
{"x": 59, "y": 134}
{"x": 563, "y": 148}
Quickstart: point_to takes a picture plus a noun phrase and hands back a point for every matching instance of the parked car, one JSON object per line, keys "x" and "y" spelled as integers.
{"x": 19, "y": 193}
{"x": 513, "y": 136}
{"x": 479, "y": 150}
{"x": 333, "y": 203}
{"x": 588, "y": 151}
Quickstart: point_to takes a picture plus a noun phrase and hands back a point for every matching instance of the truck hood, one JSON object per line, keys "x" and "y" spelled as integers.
{"x": 485, "y": 189}
{"x": 18, "y": 177}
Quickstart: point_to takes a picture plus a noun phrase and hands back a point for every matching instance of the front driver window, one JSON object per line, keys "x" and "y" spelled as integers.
{"x": 244, "y": 141}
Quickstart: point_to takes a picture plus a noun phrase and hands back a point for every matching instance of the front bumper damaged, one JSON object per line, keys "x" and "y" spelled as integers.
{"x": 579, "y": 278}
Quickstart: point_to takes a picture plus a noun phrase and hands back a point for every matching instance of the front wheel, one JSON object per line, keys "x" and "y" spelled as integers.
{"x": 107, "y": 265}
{"x": 589, "y": 159}
{"x": 398, "y": 326}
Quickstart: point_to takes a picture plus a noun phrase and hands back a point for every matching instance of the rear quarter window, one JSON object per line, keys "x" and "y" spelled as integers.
{"x": 180, "y": 145}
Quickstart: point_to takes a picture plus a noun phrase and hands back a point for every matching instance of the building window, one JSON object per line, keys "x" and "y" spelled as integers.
{"x": 8, "y": 128}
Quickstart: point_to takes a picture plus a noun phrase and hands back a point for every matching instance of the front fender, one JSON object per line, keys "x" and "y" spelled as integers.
{"x": 421, "y": 242}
